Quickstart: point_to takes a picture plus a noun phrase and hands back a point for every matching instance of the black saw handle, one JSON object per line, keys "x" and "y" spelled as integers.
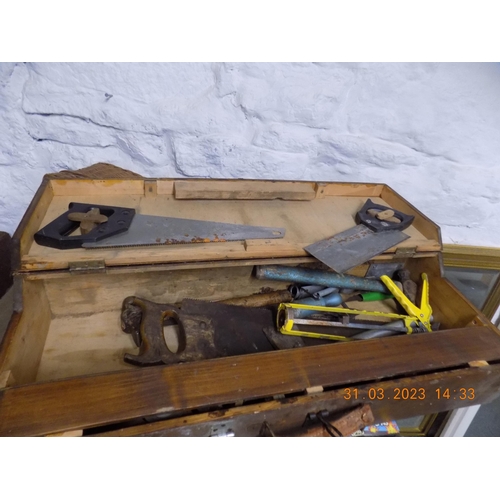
{"x": 363, "y": 217}
{"x": 56, "y": 233}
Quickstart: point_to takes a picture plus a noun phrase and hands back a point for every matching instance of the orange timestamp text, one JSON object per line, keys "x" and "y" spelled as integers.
{"x": 408, "y": 393}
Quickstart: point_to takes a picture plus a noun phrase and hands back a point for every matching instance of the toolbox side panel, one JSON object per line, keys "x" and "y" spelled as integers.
{"x": 288, "y": 416}
{"x": 122, "y": 396}
{"x": 455, "y": 310}
{"x": 31, "y": 222}
{"x": 24, "y": 341}
{"x": 428, "y": 228}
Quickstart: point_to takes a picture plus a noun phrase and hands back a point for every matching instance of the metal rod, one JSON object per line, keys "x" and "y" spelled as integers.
{"x": 324, "y": 292}
{"x": 331, "y": 300}
{"x": 301, "y": 292}
{"x": 315, "y": 277}
{"x": 260, "y": 299}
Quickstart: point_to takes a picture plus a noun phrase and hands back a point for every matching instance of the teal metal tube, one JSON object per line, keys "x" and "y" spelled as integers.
{"x": 332, "y": 300}
{"x": 315, "y": 277}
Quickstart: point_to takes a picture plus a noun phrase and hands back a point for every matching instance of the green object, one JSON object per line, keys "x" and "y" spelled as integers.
{"x": 372, "y": 296}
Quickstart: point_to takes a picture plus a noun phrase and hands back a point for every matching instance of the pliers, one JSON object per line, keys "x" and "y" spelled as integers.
{"x": 419, "y": 319}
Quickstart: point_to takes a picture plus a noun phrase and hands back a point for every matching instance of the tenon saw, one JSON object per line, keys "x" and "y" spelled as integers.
{"x": 114, "y": 227}
{"x": 379, "y": 228}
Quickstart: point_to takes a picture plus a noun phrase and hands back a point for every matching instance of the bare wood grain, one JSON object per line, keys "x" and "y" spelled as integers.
{"x": 243, "y": 190}
{"x": 24, "y": 341}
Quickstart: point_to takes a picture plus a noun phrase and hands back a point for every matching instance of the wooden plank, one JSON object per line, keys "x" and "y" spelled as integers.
{"x": 150, "y": 188}
{"x": 30, "y": 223}
{"x": 422, "y": 223}
{"x": 5, "y": 262}
{"x": 243, "y": 190}
{"x": 75, "y": 433}
{"x": 479, "y": 363}
{"x": 452, "y": 309}
{"x": 352, "y": 189}
{"x": 284, "y": 417}
{"x": 84, "y": 344}
{"x": 24, "y": 340}
{"x": 45, "y": 408}
{"x": 182, "y": 266}
{"x": 165, "y": 186}
{"x": 82, "y": 296}
{"x": 97, "y": 187}
{"x": 471, "y": 256}
{"x": 6, "y": 379}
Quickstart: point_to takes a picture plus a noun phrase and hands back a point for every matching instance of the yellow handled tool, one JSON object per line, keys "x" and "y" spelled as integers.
{"x": 289, "y": 318}
{"x": 421, "y": 315}
{"x": 289, "y": 322}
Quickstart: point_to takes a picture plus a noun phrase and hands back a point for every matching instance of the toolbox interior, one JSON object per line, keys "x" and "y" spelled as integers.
{"x": 70, "y": 324}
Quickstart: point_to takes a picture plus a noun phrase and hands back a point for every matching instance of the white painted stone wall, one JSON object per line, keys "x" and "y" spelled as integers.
{"x": 430, "y": 131}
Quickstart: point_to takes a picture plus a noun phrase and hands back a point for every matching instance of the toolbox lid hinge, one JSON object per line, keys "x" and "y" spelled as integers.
{"x": 87, "y": 267}
{"x": 406, "y": 251}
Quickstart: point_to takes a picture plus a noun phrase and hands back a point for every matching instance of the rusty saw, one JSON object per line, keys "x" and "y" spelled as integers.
{"x": 114, "y": 227}
{"x": 379, "y": 228}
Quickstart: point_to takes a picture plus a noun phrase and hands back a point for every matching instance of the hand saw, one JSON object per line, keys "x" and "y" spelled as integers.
{"x": 114, "y": 227}
{"x": 379, "y": 228}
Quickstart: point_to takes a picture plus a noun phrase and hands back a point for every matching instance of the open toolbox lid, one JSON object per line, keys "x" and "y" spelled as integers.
{"x": 309, "y": 212}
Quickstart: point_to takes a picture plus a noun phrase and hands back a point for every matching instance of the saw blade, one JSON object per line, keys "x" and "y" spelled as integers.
{"x": 155, "y": 230}
{"x": 353, "y": 247}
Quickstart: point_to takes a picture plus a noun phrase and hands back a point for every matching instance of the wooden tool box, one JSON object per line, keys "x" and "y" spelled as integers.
{"x": 61, "y": 360}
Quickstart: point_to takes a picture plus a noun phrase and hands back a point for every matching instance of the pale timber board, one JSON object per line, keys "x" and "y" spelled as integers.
{"x": 244, "y": 190}
{"x": 80, "y": 345}
{"x": 89, "y": 294}
{"x": 305, "y": 222}
{"x": 24, "y": 341}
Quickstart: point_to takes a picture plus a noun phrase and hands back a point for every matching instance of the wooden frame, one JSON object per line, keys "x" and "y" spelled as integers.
{"x": 488, "y": 258}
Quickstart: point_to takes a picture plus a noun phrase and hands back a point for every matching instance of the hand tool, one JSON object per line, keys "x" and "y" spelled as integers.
{"x": 290, "y": 321}
{"x": 418, "y": 318}
{"x": 378, "y": 230}
{"x": 409, "y": 286}
{"x": 422, "y": 314}
{"x": 279, "y": 341}
{"x": 316, "y": 277}
{"x": 377, "y": 269}
{"x": 115, "y": 227}
{"x": 206, "y": 330}
{"x": 145, "y": 320}
{"x": 260, "y": 299}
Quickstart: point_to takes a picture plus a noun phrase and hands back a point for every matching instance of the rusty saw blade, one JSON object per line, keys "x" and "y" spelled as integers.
{"x": 373, "y": 235}
{"x": 115, "y": 227}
